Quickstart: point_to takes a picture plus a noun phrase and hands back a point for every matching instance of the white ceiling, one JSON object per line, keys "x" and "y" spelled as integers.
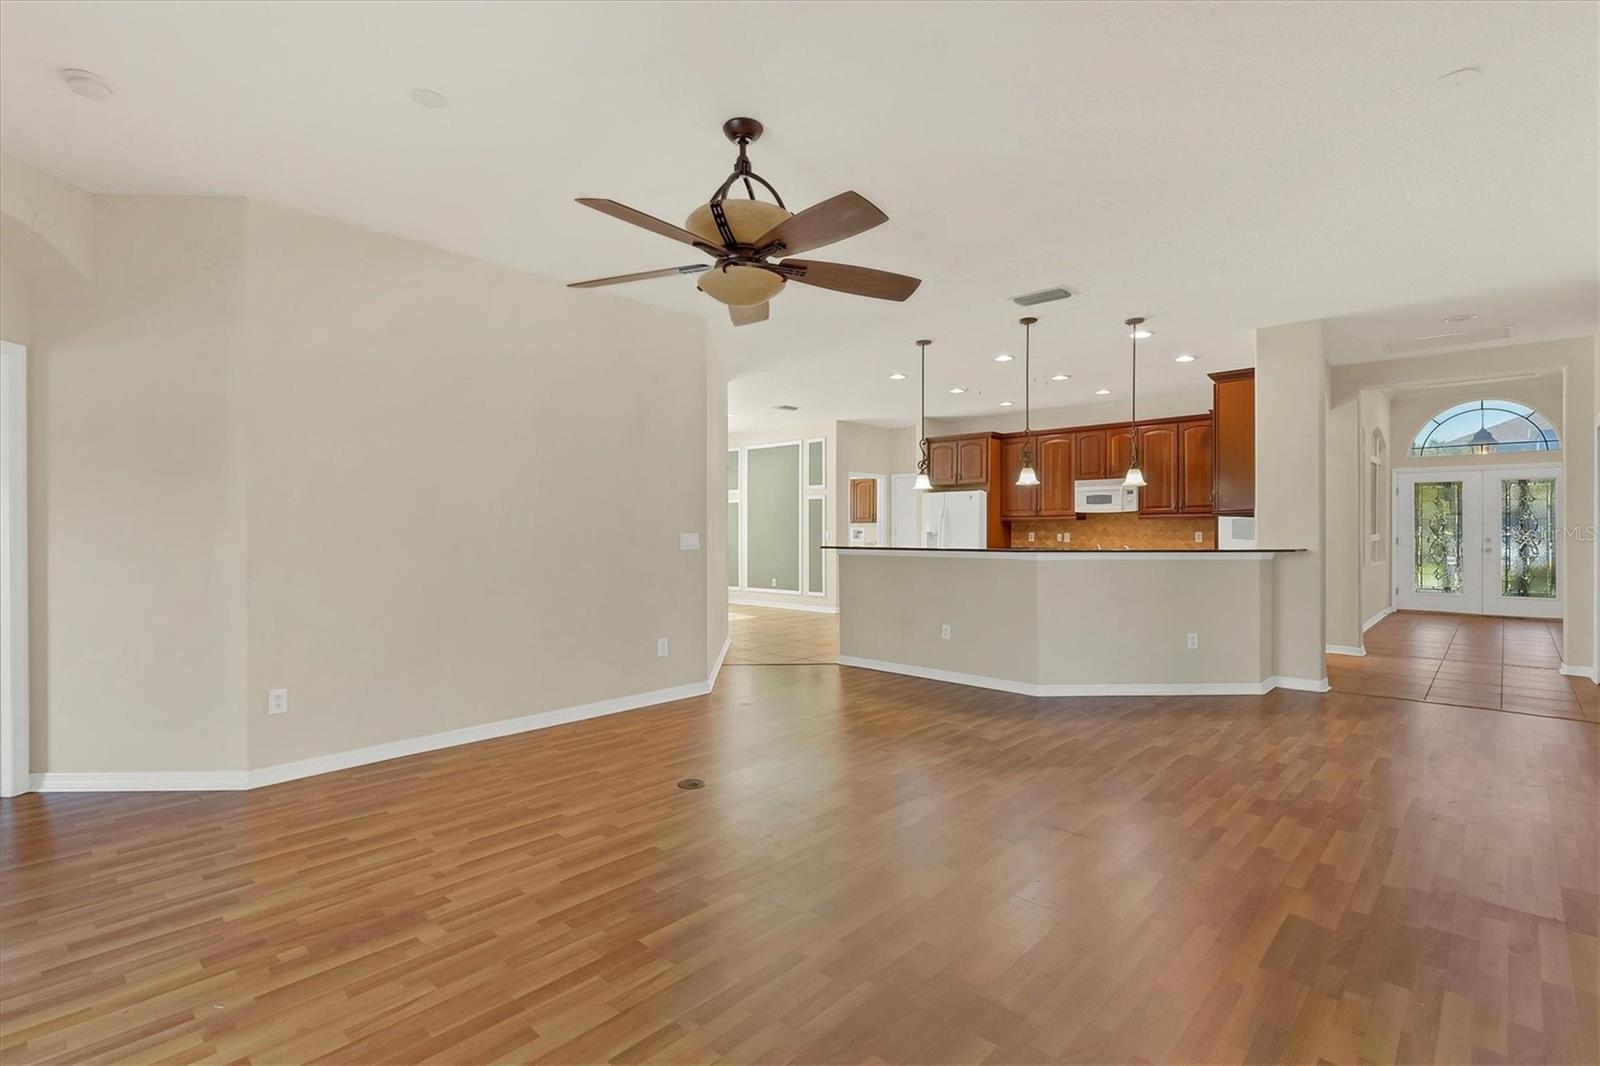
{"x": 1215, "y": 167}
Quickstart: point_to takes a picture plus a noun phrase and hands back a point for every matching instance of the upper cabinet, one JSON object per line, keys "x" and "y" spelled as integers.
{"x": 1234, "y": 442}
{"x": 863, "y": 499}
{"x": 1016, "y": 501}
{"x": 960, "y": 462}
{"x": 1054, "y": 459}
{"x": 942, "y": 462}
{"x": 1119, "y": 450}
{"x": 1196, "y": 466}
{"x": 1158, "y": 460}
{"x": 1089, "y": 458}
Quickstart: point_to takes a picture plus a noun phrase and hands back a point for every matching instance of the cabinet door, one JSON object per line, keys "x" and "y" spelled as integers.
{"x": 1089, "y": 463}
{"x": 863, "y": 500}
{"x": 1053, "y": 459}
{"x": 1158, "y": 459}
{"x": 1195, "y": 467}
{"x": 1017, "y": 501}
{"x": 1119, "y": 451}
{"x": 1234, "y": 438}
{"x": 972, "y": 462}
{"x": 942, "y": 463}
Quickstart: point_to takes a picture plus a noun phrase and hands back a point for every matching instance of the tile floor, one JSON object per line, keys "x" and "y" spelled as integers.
{"x": 1507, "y": 664}
{"x": 768, "y": 636}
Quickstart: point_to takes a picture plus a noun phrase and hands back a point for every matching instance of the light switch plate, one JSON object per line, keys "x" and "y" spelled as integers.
{"x": 688, "y": 542}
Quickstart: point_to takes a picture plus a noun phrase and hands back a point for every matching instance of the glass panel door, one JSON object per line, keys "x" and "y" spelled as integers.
{"x": 1522, "y": 510}
{"x": 1440, "y": 519}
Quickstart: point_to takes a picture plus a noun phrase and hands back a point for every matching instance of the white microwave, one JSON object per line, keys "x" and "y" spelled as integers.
{"x": 1091, "y": 497}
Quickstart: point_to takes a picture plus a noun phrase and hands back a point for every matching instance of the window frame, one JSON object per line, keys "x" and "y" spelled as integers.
{"x": 1549, "y": 438}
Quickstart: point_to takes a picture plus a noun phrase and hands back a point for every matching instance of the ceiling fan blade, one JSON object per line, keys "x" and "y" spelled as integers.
{"x": 858, "y": 281}
{"x": 646, "y": 275}
{"x": 745, "y": 316}
{"x": 649, "y": 222}
{"x": 832, "y": 220}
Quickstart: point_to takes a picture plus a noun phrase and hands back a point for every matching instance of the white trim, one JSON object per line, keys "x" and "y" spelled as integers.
{"x": 1057, "y": 556}
{"x": 1026, "y": 688}
{"x": 234, "y": 780}
{"x": 813, "y": 608}
{"x": 1346, "y": 649}
{"x": 1580, "y": 671}
{"x": 1375, "y": 619}
{"x": 716, "y": 667}
{"x": 14, "y": 704}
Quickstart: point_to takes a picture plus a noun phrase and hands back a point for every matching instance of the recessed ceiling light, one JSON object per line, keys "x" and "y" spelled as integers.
{"x": 1464, "y": 317}
{"x": 87, "y": 84}
{"x": 1184, "y": 358}
{"x": 1141, "y": 334}
{"x": 957, "y": 391}
{"x": 1007, "y": 403}
{"x": 1102, "y": 392}
{"x": 429, "y": 99}
{"x": 1003, "y": 358}
{"x": 1060, "y": 377}
{"x": 897, "y": 376}
{"x": 1458, "y": 77}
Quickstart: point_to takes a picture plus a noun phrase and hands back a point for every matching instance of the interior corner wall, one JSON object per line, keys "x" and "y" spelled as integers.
{"x": 1343, "y": 541}
{"x": 136, "y": 495}
{"x": 1376, "y": 565}
{"x": 714, "y": 542}
{"x": 1291, "y": 411}
{"x": 14, "y": 325}
{"x": 466, "y": 489}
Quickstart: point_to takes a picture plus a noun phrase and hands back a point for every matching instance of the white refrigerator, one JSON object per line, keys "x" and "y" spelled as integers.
{"x": 955, "y": 519}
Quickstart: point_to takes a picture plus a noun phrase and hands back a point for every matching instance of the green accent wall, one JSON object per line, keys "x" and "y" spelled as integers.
{"x": 814, "y": 546}
{"x": 733, "y": 545}
{"x": 816, "y": 473}
{"x": 772, "y": 496}
{"x": 733, "y": 470}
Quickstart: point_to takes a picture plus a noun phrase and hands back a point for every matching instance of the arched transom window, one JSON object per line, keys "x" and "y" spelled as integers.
{"x": 1482, "y": 427}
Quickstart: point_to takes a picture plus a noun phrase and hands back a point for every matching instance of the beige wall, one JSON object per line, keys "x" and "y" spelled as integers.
{"x": 1020, "y": 617}
{"x": 1195, "y": 401}
{"x": 715, "y": 538}
{"x": 1291, "y": 410}
{"x": 1377, "y": 560}
{"x": 13, "y": 303}
{"x": 270, "y": 450}
{"x": 1573, "y": 363}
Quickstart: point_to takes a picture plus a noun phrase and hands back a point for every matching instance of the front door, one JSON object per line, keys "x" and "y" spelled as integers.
{"x": 1480, "y": 541}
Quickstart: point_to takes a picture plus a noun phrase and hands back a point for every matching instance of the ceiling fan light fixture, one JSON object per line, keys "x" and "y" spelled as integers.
{"x": 741, "y": 286}
{"x": 748, "y": 219}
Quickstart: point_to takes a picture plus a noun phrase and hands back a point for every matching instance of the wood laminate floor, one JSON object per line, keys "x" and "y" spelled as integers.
{"x": 879, "y": 869}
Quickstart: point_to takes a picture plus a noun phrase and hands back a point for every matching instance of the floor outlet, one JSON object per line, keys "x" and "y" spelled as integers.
{"x": 944, "y": 631}
{"x": 1194, "y": 641}
{"x": 278, "y": 701}
{"x": 661, "y": 647}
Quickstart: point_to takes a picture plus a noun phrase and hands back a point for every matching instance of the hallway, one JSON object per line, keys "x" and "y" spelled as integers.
{"x": 774, "y": 636}
{"x": 1505, "y": 664}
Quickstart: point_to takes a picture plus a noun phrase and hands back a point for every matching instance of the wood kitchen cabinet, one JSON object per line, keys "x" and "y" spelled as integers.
{"x": 1196, "y": 469}
{"x": 1119, "y": 451}
{"x": 1158, "y": 460}
{"x": 863, "y": 499}
{"x": 1089, "y": 458}
{"x": 1234, "y": 441}
{"x": 942, "y": 463}
{"x": 1016, "y": 501}
{"x": 1054, "y": 456}
{"x": 972, "y": 461}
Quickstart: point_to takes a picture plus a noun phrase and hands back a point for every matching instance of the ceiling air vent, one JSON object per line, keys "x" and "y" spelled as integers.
{"x": 1452, "y": 340}
{"x": 1043, "y": 296}
{"x": 784, "y": 407}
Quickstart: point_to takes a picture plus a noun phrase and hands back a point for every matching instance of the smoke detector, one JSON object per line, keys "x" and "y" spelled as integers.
{"x": 88, "y": 84}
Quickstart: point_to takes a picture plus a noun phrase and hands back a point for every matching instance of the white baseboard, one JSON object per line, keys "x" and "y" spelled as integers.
{"x": 1346, "y": 649}
{"x": 1300, "y": 684}
{"x": 1580, "y": 671}
{"x": 1375, "y": 619}
{"x": 814, "y": 608}
{"x": 233, "y": 780}
{"x": 1024, "y": 688}
{"x": 716, "y": 668}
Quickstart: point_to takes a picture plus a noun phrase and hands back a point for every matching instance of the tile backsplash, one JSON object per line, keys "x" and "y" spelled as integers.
{"x": 1112, "y": 532}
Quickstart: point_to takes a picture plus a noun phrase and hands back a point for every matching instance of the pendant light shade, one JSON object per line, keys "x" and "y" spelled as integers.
{"x": 1134, "y": 479}
{"x": 1027, "y": 476}
{"x": 922, "y": 484}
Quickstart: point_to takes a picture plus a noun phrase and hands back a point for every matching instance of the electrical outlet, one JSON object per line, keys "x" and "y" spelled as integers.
{"x": 774, "y": 582}
{"x": 1030, "y": 536}
{"x": 1067, "y": 537}
{"x": 1194, "y": 641}
{"x": 278, "y": 701}
{"x": 661, "y": 647}
{"x": 944, "y": 631}
{"x": 1199, "y": 537}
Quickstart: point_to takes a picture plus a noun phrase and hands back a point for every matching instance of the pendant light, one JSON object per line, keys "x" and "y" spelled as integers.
{"x": 1483, "y": 442}
{"x": 1028, "y": 476}
{"x": 922, "y": 484}
{"x": 1135, "y": 477}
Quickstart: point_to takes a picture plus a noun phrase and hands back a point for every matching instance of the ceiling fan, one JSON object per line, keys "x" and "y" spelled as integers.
{"x": 744, "y": 236}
